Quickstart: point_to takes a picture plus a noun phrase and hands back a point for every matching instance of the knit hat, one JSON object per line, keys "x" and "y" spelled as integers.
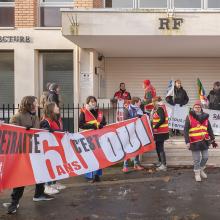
{"x": 53, "y": 86}
{"x": 197, "y": 102}
{"x": 147, "y": 82}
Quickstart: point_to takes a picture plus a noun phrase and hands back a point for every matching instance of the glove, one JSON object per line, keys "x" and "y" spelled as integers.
{"x": 214, "y": 144}
{"x": 94, "y": 127}
{"x": 101, "y": 126}
{"x": 28, "y": 128}
{"x": 51, "y": 130}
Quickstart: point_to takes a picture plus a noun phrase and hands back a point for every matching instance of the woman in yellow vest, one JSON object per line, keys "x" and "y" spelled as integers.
{"x": 159, "y": 118}
{"x": 92, "y": 118}
{"x": 199, "y": 135}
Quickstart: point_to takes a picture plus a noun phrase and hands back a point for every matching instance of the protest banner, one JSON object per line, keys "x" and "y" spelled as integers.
{"x": 38, "y": 156}
{"x": 214, "y": 118}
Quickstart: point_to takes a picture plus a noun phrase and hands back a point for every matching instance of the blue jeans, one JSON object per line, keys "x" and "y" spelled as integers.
{"x": 198, "y": 161}
{"x": 136, "y": 161}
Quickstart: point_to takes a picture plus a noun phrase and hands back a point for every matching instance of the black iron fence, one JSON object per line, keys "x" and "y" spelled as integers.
{"x": 69, "y": 113}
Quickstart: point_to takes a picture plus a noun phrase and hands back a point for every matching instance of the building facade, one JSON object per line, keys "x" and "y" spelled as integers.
{"x": 90, "y": 46}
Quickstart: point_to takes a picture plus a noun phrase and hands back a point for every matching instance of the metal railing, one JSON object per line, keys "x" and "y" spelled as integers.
{"x": 69, "y": 113}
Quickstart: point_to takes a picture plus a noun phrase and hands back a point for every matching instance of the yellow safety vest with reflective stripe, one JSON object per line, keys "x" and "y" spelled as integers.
{"x": 90, "y": 119}
{"x": 198, "y": 131}
{"x": 163, "y": 129}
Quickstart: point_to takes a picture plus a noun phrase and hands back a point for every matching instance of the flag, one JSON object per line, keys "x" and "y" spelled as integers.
{"x": 170, "y": 88}
{"x": 201, "y": 93}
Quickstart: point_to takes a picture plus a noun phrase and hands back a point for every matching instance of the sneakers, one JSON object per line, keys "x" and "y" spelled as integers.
{"x": 58, "y": 186}
{"x": 158, "y": 164}
{"x": 50, "y": 190}
{"x": 43, "y": 197}
{"x": 125, "y": 170}
{"x": 12, "y": 208}
{"x": 202, "y": 173}
{"x": 197, "y": 176}
{"x": 138, "y": 167}
{"x": 162, "y": 167}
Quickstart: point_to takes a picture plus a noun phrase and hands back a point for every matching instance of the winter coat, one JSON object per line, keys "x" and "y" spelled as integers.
{"x": 26, "y": 119}
{"x": 180, "y": 97}
{"x": 122, "y": 94}
{"x": 132, "y": 112}
{"x": 201, "y": 145}
{"x": 84, "y": 125}
{"x": 44, "y": 98}
{"x": 165, "y": 136}
{"x": 53, "y": 97}
{"x": 161, "y": 137}
{"x": 44, "y": 124}
{"x": 214, "y": 99}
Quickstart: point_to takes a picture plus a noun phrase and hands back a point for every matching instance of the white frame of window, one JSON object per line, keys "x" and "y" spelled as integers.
{"x": 168, "y": 5}
{"x": 56, "y": 4}
{"x": 7, "y": 4}
{"x": 210, "y": 9}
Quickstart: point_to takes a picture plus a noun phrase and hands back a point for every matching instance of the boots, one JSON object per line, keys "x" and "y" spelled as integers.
{"x": 163, "y": 166}
{"x": 202, "y": 173}
{"x": 197, "y": 176}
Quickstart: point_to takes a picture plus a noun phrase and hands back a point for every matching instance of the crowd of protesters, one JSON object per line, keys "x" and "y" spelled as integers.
{"x": 198, "y": 132}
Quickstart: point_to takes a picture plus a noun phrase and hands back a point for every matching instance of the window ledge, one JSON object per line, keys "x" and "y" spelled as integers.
{"x": 7, "y": 28}
{"x": 47, "y": 28}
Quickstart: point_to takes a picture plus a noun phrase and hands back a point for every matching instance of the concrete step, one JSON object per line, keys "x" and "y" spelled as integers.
{"x": 178, "y": 155}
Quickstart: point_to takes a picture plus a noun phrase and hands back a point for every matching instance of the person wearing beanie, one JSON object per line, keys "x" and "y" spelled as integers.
{"x": 159, "y": 119}
{"x": 198, "y": 136}
{"x": 149, "y": 94}
{"x": 54, "y": 93}
{"x": 214, "y": 97}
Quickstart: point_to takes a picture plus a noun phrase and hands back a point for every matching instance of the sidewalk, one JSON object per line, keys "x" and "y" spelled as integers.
{"x": 171, "y": 195}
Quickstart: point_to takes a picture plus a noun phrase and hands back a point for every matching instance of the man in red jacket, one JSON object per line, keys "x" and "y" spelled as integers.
{"x": 122, "y": 93}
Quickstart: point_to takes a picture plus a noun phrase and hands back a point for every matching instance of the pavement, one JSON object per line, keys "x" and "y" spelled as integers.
{"x": 147, "y": 195}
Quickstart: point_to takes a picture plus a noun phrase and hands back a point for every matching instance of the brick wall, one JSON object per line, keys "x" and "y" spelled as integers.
{"x": 98, "y": 3}
{"x": 26, "y": 13}
{"x": 83, "y": 4}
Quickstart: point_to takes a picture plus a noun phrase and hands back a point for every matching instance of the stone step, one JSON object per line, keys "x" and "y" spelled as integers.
{"x": 178, "y": 155}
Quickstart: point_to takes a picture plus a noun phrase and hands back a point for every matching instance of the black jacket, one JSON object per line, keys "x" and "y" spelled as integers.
{"x": 214, "y": 99}
{"x": 180, "y": 97}
{"x": 160, "y": 137}
{"x": 84, "y": 125}
{"x": 201, "y": 145}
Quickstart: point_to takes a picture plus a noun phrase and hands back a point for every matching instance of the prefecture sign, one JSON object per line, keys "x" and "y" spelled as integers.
{"x": 38, "y": 156}
{"x": 15, "y": 39}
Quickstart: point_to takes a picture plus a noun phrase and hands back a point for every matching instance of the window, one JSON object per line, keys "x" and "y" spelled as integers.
{"x": 7, "y": 78}
{"x": 213, "y": 4}
{"x": 7, "y": 13}
{"x": 152, "y": 3}
{"x": 119, "y": 4}
{"x": 58, "y": 67}
{"x": 187, "y": 4}
{"x": 50, "y": 15}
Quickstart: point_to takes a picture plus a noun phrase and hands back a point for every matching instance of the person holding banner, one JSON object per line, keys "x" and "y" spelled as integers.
{"x": 92, "y": 118}
{"x": 159, "y": 118}
{"x": 199, "y": 135}
{"x": 52, "y": 121}
{"x": 26, "y": 117}
{"x": 133, "y": 111}
{"x": 176, "y": 95}
{"x": 149, "y": 94}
